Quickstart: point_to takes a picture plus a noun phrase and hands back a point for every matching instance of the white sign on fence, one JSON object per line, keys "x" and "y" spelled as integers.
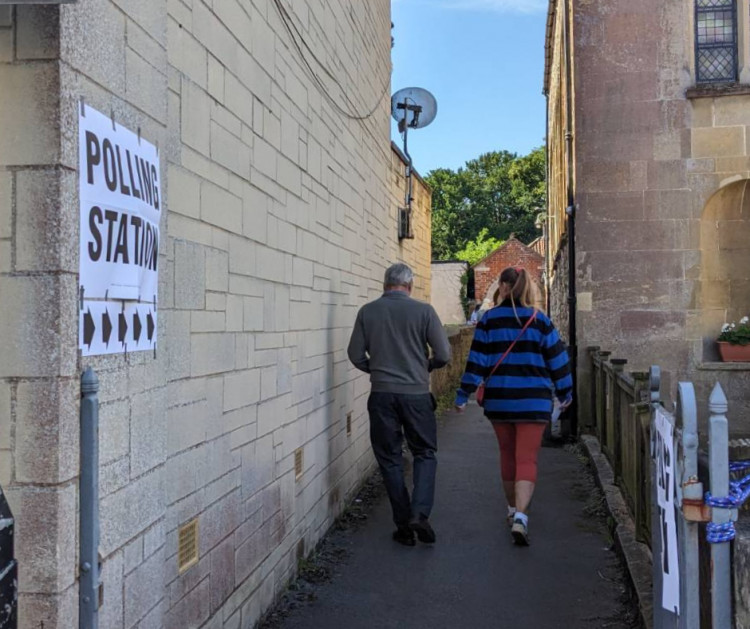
{"x": 664, "y": 454}
{"x": 120, "y": 207}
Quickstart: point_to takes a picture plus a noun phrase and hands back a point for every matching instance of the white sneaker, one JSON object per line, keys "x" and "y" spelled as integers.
{"x": 520, "y": 533}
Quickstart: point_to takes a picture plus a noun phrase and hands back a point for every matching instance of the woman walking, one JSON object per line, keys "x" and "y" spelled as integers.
{"x": 518, "y": 362}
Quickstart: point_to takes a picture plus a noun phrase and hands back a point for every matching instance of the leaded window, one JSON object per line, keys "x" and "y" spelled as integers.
{"x": 716, "y": 41}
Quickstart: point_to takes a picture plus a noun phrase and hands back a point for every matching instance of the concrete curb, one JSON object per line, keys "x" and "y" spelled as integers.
{"x": 637, "y": 556}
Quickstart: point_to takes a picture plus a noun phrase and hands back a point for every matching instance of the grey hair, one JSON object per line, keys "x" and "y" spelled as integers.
{"x": 398, "y": 275}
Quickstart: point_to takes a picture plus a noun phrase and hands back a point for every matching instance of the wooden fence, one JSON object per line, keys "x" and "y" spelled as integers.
{"x": 621, "y": 417}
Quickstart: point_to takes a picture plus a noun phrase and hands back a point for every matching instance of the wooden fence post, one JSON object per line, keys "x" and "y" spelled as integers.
{"x": 618, "y": 365}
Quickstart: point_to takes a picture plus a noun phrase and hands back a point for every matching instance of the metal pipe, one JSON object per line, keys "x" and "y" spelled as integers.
{"x": 570, "y": 212}
{"x": 409, "y": 160}
{"x": 545, "y": 227}
{"x": 88, "y": 595}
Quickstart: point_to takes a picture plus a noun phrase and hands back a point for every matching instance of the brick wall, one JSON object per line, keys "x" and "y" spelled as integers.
{"x": 280, "y": 220}
{"x": 512, "y": 253}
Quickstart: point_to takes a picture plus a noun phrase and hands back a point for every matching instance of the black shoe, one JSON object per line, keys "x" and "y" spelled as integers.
{"x": 404, "y": 535}
{"x": 424, "y": 531}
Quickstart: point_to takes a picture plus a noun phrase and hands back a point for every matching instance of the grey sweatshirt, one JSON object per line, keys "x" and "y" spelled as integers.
{"x": 390, "y": 341}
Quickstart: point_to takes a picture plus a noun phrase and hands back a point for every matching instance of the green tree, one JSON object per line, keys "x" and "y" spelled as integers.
{"x": 499, "y": 191}
{"x": 475, "y": 250}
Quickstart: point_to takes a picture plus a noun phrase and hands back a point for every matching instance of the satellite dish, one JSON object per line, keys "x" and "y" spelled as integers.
{"x": 413, "y": 107}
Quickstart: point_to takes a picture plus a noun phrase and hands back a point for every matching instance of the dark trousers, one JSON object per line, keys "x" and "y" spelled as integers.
{"x": 393, "y": 416}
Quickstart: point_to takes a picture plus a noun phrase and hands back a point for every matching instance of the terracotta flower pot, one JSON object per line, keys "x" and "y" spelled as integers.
{"x": 734, "y": 353}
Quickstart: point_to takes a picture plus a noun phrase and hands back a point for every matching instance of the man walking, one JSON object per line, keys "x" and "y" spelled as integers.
{"x": 391, "y": 340}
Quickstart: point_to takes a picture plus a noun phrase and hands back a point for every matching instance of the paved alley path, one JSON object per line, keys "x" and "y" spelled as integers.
{"x": 474, "y": 576}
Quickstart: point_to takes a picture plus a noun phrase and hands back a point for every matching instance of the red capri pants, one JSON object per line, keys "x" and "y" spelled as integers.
{"x": 519, "y": 446}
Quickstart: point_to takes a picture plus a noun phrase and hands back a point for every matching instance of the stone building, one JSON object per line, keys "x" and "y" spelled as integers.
{"x": 416, "y": 241}
{"x": 278, "y": 196}
{"x": 649, "y": 147}
{"x": 511, "y": 253}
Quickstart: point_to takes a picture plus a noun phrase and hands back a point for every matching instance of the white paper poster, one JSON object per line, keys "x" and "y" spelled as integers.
{"x": 664, "y": 454}
{"x": 120, "y": 207}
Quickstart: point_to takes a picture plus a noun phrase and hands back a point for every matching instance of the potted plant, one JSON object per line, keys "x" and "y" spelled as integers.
{"x": 734, "y": 341}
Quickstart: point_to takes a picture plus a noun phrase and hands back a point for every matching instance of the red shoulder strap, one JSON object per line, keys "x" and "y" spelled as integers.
{"x": 507, "y": 351}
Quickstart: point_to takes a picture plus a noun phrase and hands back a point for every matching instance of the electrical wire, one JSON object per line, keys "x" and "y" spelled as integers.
{"x": 290, "y": 25}
{"x": 294, "y": 34}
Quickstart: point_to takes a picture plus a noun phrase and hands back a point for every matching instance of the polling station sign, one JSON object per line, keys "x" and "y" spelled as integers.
{"x": 664, "y": 456}
{"x": 120, "y": 206}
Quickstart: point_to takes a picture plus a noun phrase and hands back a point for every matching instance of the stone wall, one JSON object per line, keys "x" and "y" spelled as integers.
{"x": 280, "y": 220}
{"x": 658, "y": 249}
{"x": 741, "y": 569}
{"x": 412, "y": 251}
{"x": 39, "y": 372}
{"x": 558, "y": 287}
{"x": 445, "y": 380}
{"x": 446, "y": 291}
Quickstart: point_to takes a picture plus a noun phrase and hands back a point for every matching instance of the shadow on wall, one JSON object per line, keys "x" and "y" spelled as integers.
{"x": 723, "y": 290}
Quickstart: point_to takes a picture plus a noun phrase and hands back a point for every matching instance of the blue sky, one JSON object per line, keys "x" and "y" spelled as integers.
{"x": 484, "y": 62}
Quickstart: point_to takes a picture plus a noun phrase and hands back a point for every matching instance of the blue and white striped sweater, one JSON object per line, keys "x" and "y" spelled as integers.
{"x": 521, "y": 388}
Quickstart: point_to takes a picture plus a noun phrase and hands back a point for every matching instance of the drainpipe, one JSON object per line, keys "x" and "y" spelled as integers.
{"x": 89, "y": 587}
{"x": 545, "y": 225}
{"x": 570, "y": 212}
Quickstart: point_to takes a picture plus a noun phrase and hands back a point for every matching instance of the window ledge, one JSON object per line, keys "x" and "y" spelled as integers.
{"x": 721, "y": 366}
{"x": 717, "y": 89}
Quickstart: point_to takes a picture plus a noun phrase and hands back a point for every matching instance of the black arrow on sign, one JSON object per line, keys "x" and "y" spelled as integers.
{"x": 136, "y": 326}
{"x": 150, "y": 325}
{"x": 122, "y": 328}
{"x": 88, "y": 328}
{"x": 106, "y": 327}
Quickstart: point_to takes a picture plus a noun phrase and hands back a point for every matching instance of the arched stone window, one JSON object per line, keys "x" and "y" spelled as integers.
{"x": 723, "y": 292}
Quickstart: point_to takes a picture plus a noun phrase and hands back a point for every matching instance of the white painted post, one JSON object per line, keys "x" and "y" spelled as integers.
{"x": 691, "y": 490}
{"x": 718, "y": 457}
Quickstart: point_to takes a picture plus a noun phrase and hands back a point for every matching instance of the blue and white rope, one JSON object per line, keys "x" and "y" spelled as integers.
{"x": 739, "y": 492}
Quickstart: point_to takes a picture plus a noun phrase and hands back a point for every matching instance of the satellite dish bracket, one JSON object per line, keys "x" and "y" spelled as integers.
{"x": 417, "y": 101}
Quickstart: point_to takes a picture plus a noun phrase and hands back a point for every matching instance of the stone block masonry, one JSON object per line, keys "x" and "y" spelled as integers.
{"x": 660, "y": 167}
{"x": 280, "y": 216}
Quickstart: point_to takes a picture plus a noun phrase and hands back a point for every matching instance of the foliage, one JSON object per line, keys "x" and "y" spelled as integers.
{"x": 499, "y": 191}
{"x": 478, "y": 249}
{"x": 464, "y": 293}
{"x": 736, "y": 333}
